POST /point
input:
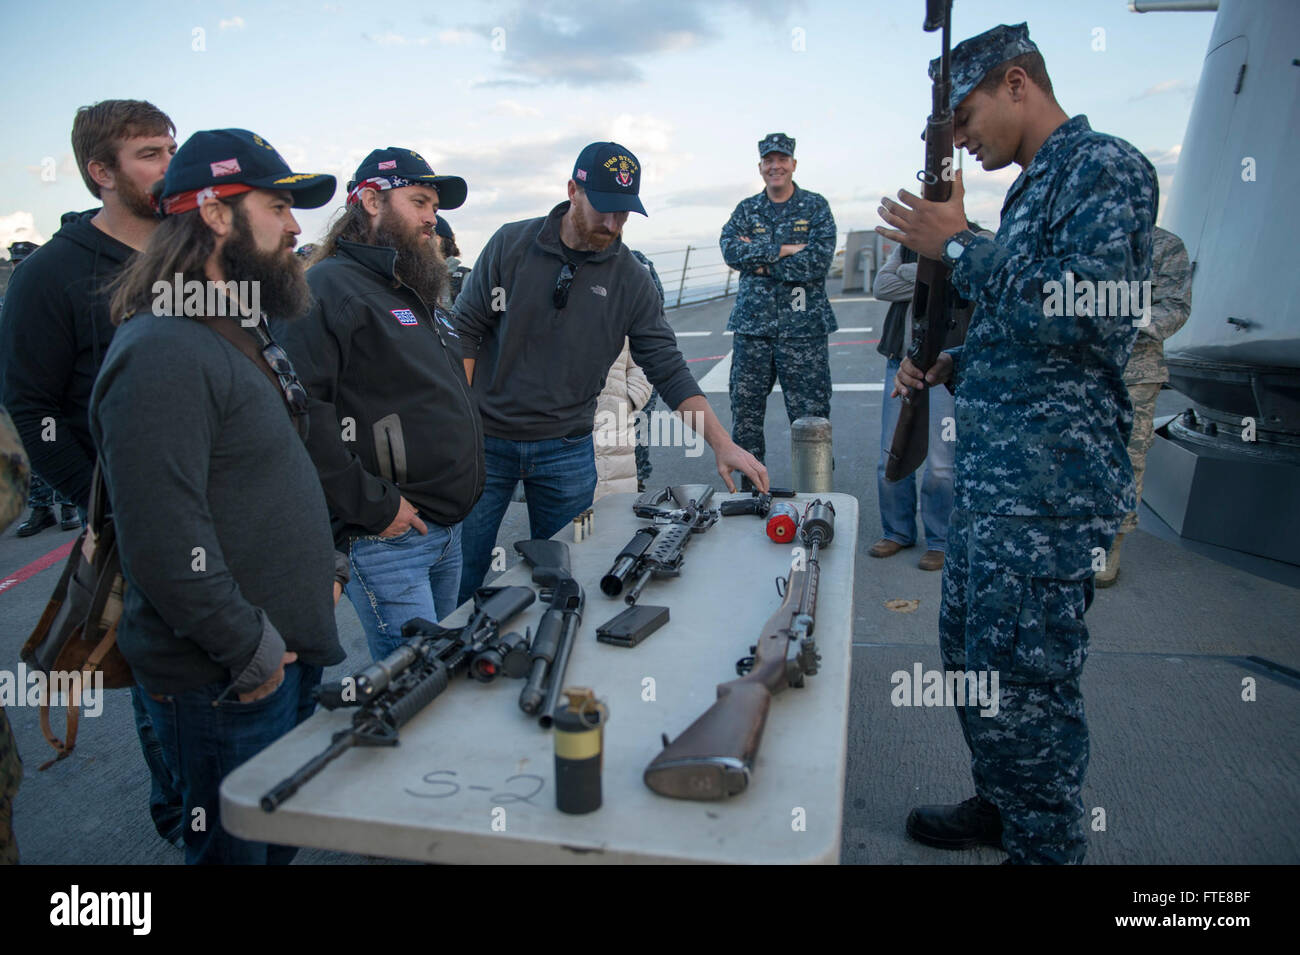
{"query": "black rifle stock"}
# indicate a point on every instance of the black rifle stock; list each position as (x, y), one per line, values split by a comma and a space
(930, 312)
(713, 758)
(392, 690)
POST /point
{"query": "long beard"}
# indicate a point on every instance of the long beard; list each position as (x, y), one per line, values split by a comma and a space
(419, 262)
(282, 284)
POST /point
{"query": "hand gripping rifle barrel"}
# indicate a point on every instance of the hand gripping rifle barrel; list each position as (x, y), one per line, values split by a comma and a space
(392, 690)
(714, 757)
(930, 311)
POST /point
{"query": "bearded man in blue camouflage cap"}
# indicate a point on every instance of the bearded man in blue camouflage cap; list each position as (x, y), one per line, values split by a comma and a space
(1042, 475)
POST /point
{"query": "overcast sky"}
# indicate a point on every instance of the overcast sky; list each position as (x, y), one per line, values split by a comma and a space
(506, 94)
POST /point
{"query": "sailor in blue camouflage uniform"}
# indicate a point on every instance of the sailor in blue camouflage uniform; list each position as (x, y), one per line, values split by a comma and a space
(642, 448)
(782, 242)
(1042, 475)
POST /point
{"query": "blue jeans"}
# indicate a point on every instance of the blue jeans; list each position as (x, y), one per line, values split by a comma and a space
(559, 476)
(898, 498)
(204, 738)
(164, 788)
(397, 578)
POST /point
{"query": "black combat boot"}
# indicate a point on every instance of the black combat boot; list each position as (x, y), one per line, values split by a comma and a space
(71, 519)
(42, 517)
(975, 822)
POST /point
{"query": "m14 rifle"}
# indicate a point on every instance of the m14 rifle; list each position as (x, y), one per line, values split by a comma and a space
(930, 312)
(657, 551)
(392, 690)
(714, 757)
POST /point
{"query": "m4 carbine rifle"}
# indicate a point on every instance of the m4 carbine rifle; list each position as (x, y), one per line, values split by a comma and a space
(930, 312)
(657, 551)
(392, 690)
(713, 758)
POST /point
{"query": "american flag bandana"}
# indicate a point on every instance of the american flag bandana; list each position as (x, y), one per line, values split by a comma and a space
(379, 183)
(193, 198)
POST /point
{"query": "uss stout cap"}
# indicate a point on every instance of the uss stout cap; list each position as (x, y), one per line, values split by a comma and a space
(611, 176)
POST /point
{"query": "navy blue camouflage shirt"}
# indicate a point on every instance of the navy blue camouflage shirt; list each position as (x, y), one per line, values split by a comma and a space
(788, 299)
(1043, 416)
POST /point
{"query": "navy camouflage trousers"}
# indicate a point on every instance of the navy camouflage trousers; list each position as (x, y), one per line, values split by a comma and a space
(1015, 590)
(802, 365)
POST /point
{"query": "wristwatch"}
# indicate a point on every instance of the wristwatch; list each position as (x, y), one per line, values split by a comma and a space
(956, 245)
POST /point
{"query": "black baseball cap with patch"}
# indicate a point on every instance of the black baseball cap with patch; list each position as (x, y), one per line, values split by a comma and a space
(395, 163)
(611, 176)
(217, 162)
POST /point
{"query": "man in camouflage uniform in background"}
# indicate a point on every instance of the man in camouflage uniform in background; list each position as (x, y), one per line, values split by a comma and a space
(781, 241)
(1171, 303)
(641, 449)
(1042, 475)
(13, 491)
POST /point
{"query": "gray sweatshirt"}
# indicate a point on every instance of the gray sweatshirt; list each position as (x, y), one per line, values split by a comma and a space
(540, 369)
(222, 525)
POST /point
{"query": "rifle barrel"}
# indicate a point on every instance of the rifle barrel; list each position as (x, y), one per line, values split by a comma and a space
(287, 787)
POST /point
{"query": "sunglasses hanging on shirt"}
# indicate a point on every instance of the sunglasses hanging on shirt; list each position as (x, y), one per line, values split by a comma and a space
(560, 297)
(267, 355)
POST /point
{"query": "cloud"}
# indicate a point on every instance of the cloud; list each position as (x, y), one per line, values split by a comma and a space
(65, 167)
(1165, 160)
(17, 227)
(234, 23)
(396, 39)
(1167, 86)
(509, 107)
(578, 44)
(711, 197)
(456, 37)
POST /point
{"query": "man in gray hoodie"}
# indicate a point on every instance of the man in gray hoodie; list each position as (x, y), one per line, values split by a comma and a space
(542, 317)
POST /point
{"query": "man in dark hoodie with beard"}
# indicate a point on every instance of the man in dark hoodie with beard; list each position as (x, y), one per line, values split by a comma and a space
(55, 328)
(223, 531)
(395, 433)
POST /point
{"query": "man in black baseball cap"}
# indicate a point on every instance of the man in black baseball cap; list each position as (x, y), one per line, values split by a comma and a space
(377, 351)
(217, 163)
(393, 167)
(221, 524)
(545, 313)
(611, 178)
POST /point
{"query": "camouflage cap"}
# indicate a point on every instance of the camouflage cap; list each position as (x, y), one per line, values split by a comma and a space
(775, 143)
(972, 58)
